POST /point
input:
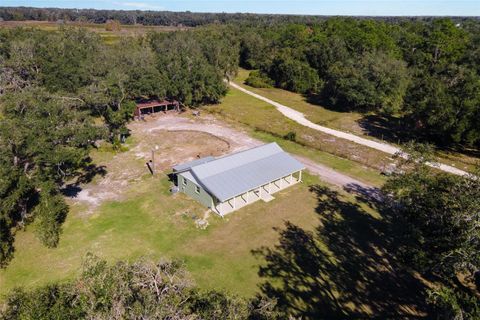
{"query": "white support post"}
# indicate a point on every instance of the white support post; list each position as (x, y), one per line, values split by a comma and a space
(300, 176)
(234, 204)
(291, 179)
(275, 184)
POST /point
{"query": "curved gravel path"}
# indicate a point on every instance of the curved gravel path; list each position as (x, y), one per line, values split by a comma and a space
(300, 118)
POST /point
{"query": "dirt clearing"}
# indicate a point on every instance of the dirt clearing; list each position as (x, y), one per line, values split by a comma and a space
(176, 139)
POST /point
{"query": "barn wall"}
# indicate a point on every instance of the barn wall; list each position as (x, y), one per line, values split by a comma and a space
(203, 197)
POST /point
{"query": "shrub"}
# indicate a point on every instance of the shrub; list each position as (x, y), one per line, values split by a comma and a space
(258, 79)
(291, 136)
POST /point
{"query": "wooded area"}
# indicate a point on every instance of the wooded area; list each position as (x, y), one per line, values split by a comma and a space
(54, 85)
(424, 75)
(168, 18)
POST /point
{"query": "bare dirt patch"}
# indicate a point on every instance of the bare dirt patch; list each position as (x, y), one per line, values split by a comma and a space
(238, 140)
(178, 140)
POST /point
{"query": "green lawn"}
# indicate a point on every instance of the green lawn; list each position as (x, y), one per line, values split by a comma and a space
(266, 123)
(155, 224)
(150, 222)
(346, 121)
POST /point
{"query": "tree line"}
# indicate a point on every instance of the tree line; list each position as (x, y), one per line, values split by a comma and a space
(54, 88)
(139, 290)
(169, 18)
(425, 73)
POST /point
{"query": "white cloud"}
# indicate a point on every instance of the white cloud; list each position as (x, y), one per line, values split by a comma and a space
(140, 5)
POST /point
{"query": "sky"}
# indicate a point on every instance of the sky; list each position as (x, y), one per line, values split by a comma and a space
(314, 7)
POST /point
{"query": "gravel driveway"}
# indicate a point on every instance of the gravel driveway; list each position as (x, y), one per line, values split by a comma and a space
(300, 118)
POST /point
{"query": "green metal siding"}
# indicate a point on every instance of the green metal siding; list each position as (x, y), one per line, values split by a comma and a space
(189, 189)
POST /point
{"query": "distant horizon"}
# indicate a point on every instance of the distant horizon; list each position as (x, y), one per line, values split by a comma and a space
(367, 8)
(257, 13)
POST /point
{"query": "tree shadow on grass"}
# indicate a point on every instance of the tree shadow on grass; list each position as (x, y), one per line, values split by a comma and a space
(86, 176)
(344, 268)
(326, 103)
(390, 129)
(395, 130)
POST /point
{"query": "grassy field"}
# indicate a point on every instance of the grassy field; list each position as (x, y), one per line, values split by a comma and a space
(350, 121)
(345, 121)
(108, 37)
(151, 222)
(347, 262)
(266, 122)
(348, 234)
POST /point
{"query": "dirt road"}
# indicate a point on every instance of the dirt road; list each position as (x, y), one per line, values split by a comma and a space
(300, 118)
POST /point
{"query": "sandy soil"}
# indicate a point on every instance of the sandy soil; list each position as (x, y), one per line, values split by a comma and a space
(381, 146)
(178, 139)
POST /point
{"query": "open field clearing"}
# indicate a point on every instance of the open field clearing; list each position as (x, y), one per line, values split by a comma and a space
(181, 139)
(346, 121)
(125, 213)
(108, 37)
(369, 125)
(355, 160)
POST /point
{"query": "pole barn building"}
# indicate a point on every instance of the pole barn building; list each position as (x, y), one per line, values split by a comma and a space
(154, 106)
(229, 183)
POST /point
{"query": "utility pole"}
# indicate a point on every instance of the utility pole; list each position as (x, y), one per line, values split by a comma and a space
(153, 160)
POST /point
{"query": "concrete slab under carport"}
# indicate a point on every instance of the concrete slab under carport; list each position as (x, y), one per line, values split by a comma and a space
(261, 193)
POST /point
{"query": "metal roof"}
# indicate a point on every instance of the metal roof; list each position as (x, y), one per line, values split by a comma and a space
(155, 103)
(240, 172)
(188, 165)
(189, 176)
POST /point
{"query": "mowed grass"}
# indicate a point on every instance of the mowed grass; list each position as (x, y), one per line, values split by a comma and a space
(349, 121)
(108, 37)
(266, 123)
(345, 121)
(154, 224)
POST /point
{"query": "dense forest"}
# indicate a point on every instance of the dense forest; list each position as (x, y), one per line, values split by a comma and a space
(62, 91)
(168, 18)
(422, 73)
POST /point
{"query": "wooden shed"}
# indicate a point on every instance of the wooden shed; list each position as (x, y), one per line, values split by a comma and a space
(154, 106)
